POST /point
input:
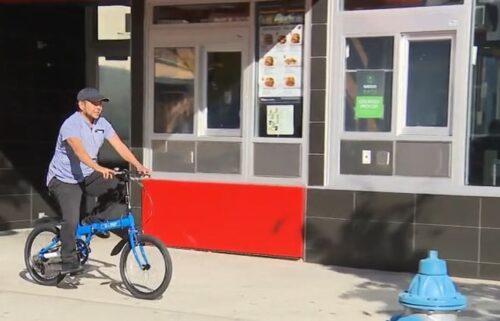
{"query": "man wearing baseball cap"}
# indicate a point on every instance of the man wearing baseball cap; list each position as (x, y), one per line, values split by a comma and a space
(74, 172)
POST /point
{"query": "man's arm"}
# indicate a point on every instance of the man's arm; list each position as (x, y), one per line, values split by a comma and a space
(80, 152)
(126, 154)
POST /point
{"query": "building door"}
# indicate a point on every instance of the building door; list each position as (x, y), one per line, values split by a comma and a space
(42, 58)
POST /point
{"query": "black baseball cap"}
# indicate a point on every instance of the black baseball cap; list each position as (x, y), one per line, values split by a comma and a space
(91, 94)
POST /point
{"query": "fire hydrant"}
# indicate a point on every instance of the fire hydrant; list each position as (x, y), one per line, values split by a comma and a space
(432, 296)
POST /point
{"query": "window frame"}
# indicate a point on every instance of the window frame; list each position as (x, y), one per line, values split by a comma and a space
(151, 117)
(456, 20)
(248, 123)
(402, 127)
(203, 129)
(201, 46)
(343, 3)
(194, 3)
(350, 134)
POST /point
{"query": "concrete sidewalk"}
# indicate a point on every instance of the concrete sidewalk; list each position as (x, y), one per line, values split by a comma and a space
(214, 287)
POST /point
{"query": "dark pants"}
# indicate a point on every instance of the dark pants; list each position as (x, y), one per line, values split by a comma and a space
(94, 196)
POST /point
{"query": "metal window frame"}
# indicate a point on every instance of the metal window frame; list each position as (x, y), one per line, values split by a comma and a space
(424, 20)
(404, 52)
(353, 134)
(203, 129)
(248, 135)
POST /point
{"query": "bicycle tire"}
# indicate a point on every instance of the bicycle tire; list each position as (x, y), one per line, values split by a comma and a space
(38, 270)
(139, 290)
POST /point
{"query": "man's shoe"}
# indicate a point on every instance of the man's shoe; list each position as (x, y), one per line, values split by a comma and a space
(71, 268)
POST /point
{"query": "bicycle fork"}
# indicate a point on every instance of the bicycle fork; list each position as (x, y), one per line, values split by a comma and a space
(139, 256)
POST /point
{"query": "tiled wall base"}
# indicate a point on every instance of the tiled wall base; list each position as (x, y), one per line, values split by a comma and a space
(393, 231)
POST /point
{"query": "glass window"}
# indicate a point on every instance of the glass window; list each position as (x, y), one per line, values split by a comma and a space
(484, 135)
(201, 13)
(223, 90)
(113, 22)
(368, 84)
(385, 4)
(114, 81)
(174, 72)
(428, 85)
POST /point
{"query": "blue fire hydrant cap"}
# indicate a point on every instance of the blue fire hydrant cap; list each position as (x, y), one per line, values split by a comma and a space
(432, 289)
(432, 265)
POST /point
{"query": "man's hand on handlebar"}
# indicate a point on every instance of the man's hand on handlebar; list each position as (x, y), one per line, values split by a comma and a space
(106, 172)
(144, 171)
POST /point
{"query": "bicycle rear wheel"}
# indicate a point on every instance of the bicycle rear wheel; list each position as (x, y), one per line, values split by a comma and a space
(150, 277)
(41, 254)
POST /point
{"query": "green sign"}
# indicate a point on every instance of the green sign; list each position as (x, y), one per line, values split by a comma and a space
(369, 101)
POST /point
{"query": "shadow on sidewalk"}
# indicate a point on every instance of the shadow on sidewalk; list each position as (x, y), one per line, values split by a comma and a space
(380, 286)
(7, 233)
(5, 228)
(92, 270)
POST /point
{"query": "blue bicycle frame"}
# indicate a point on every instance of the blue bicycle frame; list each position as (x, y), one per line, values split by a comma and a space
(85, 232)
(124, 222)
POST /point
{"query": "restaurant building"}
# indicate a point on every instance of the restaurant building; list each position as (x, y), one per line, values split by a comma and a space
(357, 133)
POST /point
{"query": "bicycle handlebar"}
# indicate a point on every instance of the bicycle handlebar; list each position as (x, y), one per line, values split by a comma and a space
(125, 174)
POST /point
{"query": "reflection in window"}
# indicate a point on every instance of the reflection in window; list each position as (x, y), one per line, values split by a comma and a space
(114, 81)
(223, 89)
(386, 4)
(174, 90)
(368, 84)
(428, 83)
(201, 13)
(484, 134)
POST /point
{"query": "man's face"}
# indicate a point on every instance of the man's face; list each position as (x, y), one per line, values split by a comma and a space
(91, 109)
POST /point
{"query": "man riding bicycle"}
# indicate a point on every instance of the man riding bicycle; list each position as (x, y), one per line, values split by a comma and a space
(74, 176)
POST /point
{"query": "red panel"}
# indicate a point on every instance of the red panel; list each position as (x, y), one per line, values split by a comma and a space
(252, 219)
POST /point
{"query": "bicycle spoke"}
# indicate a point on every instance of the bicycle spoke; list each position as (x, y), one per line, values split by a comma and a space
(149, 279)
(42, 256)
(146, 269)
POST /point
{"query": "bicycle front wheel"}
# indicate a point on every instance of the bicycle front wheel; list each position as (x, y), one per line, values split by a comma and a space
(146, 269)
(41, 255)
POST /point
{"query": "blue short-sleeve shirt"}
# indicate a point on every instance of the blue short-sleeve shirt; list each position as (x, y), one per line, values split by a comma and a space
(65, 165)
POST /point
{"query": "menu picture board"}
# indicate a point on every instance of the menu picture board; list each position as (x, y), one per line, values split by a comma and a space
(279, 51)
(280, 63)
